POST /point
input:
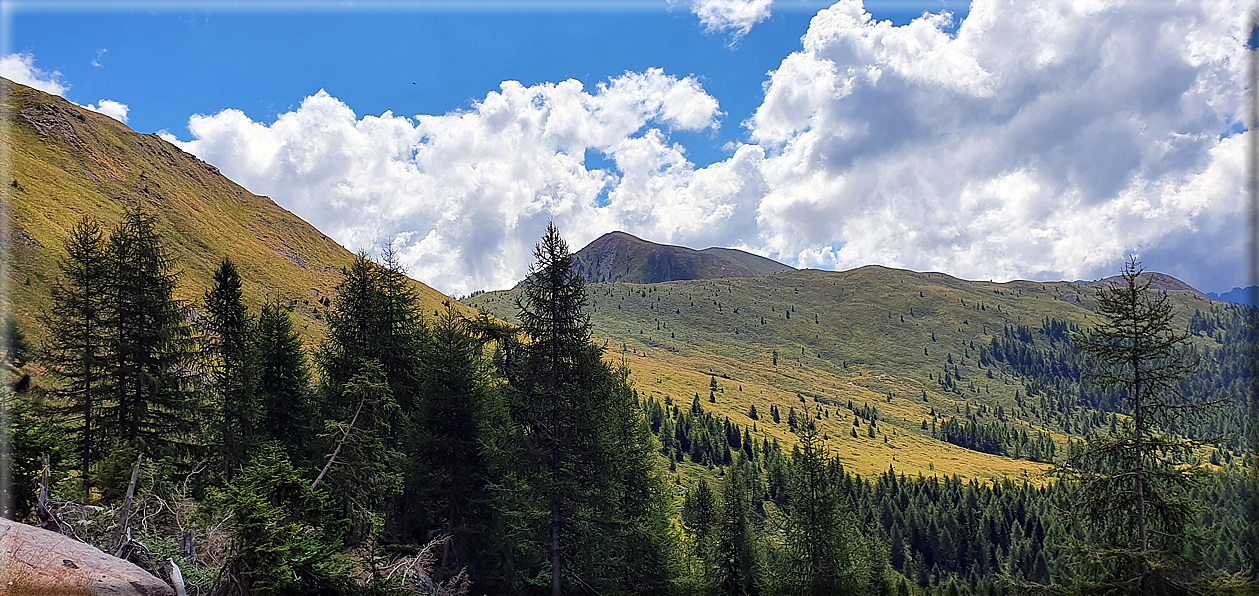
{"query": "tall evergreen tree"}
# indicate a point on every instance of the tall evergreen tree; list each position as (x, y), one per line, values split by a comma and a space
(556, 411)
(13, 343)
(375, 317)
(459, 406)
(283, 380)
(734, 570)
(361, 473)
(627, 523)
(823, 552)
(228, 345)
(151, 345)
(1134, 484)
(78, 348)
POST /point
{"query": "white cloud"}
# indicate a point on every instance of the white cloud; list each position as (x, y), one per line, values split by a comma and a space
(465, 195)
(736, 16)
(114, 109)
(1041, 139)
(20, 68)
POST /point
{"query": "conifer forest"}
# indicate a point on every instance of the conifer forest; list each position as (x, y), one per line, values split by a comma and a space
(421, 450)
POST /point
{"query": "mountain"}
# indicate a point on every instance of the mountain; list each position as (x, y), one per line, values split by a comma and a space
(1158, 281)
(874, 336)
(1236, 296)
(621, 258)
(66, 162)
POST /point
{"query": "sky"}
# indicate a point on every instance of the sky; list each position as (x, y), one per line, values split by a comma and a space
(990, 140)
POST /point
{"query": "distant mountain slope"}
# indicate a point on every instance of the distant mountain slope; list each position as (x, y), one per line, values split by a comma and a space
(875, 336)
(1236, 296)
(620, 257)
(1158, 281)
(66, 162)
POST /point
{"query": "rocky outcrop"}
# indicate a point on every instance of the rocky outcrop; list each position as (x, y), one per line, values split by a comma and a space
(36, 561)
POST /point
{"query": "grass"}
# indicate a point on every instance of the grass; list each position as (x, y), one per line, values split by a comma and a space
(66, 162)
(873, 336)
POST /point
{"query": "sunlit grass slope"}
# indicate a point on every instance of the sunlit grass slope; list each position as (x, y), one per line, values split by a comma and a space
(873, 336)
(65, 162)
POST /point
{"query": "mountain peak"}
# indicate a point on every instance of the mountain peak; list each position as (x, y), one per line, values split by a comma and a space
(622, 257)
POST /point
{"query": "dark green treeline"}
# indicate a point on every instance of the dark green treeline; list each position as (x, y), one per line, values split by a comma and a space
(526, 456)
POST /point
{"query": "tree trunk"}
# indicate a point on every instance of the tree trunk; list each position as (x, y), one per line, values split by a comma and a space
(120, 538)
(337, 451)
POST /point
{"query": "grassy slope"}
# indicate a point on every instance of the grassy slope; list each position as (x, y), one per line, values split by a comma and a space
(69, 162)
(845, 340)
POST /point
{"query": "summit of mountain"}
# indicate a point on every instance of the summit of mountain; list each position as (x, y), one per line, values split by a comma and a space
(618, 257)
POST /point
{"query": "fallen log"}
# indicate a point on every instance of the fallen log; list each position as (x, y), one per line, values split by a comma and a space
(36, 561)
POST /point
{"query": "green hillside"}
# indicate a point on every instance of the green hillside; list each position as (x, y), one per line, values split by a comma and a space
(65, 162)
(621, 257)
(873, 336)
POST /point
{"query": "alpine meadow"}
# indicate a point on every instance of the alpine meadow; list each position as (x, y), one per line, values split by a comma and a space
(205, 395)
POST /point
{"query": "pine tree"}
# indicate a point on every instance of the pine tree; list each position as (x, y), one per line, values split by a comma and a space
(228, 345)
(78, 347)
(1134, 484)
(151, 346)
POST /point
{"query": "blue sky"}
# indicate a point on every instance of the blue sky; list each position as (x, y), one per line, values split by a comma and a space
(167, 64)
(1043, 139)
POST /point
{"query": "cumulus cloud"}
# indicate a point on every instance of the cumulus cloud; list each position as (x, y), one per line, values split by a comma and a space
(463, 196)
(114, 109)
(735, 16)
(20, 68)
(1042, 139)
(1046, 139)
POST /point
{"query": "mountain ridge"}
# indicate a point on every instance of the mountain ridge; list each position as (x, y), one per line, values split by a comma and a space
(620, 257)
(870, 336)
(67, 162)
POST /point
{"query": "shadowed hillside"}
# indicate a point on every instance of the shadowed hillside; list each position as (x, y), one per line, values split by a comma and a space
(620, 257)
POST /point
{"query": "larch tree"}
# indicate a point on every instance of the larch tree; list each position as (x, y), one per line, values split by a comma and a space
(1134, 501)
(76, 351)
(552, 405)
(151, 345)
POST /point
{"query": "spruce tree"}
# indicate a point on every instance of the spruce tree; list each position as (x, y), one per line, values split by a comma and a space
(283, 380)
(13, 343)
(228, 346)
(361, 473)
(374, 317)
(733, 572)
(823, 552)
(77, 349)
(460, 406)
